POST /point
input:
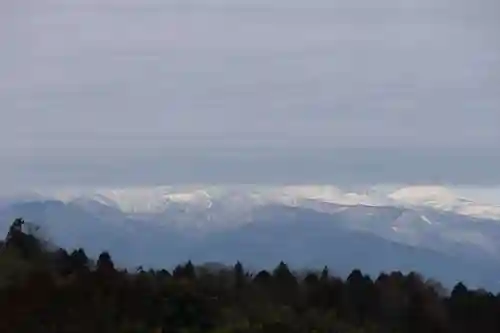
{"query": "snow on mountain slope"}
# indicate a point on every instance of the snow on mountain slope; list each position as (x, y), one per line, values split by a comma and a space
(156, 199)
(442, 198)
(435, 196)
(135, 199)
(482, 211)
(423, 217)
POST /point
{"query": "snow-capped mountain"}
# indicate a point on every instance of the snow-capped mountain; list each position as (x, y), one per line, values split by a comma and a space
(442, 198)
(431, 229)
(426, 216)
(157, 199)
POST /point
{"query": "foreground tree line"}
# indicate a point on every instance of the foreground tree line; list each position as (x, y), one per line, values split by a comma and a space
(45, 289)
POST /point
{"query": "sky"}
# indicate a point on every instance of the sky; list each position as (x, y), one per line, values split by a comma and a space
(339, 91)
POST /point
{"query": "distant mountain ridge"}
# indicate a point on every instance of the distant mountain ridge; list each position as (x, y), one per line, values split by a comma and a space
(306, 226)
(157, 198)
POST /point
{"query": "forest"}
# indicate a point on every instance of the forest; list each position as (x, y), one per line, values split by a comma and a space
(46, 289)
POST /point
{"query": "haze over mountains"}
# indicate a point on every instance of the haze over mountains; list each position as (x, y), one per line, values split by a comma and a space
(120, 92)
(429, 229)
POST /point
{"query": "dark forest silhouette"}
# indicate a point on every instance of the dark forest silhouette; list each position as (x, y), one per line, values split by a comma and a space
(47, 289)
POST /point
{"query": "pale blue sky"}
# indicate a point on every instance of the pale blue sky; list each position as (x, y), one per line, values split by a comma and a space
(239, 90)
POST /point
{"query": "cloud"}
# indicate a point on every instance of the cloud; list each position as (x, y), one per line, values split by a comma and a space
(134, 78)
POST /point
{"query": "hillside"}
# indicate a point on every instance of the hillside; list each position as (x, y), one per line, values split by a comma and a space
(45, 289)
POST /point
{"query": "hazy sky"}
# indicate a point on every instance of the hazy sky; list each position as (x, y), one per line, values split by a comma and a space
(155, 91)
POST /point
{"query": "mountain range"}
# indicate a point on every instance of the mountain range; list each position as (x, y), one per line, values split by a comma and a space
(428, 229)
